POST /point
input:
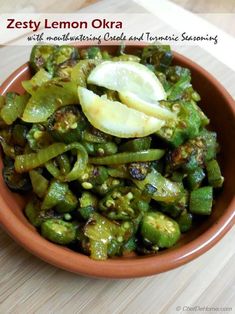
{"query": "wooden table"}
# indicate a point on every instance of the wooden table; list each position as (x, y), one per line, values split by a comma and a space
(28, 285)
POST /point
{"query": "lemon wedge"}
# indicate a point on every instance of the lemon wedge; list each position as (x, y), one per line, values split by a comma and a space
(149, 107)
(127, 76)
(114, 118)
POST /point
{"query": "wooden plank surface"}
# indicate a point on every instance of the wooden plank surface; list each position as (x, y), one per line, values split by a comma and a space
(28, 285)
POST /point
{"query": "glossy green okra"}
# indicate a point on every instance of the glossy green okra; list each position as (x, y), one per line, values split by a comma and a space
(16, 182)
(201, 201)
(39, 183)
(60, 197)
(159, 229)
(185, 221)
(128, 157)
(58, 231)
(158, 55)
(67, 124)
(38, 137)
(214, 175)
(195, 178)
(93, 176)
(100, 149)
(88, 203)
(108, 185)
(187, 126)
(136, 145)
(123, 203)
(193, 153)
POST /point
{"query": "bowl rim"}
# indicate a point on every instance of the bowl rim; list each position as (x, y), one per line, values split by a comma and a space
(122, 267)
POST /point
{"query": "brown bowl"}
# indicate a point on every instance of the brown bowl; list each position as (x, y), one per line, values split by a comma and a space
(220, 108)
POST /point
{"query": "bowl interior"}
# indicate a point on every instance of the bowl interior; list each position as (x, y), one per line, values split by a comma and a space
(215, 103)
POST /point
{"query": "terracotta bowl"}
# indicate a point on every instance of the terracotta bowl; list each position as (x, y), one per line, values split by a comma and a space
(220, 108)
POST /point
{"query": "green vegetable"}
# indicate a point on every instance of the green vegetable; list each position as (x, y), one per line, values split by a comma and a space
(200, 202)
(66, 124)
(158, 55)
(58, 231)
(136, 145)
(24, 163)
(19, 132)
(38, 137)
(40, 55)
(14, 107)
(195, 178)
(100, 232)
(123, 203)
(121, 158)
(39, 183)
(48, 98)
(58, 195)
(88, 203)
(185, 221)
(215, 178)
(40, 77)
(33, 212)
(15, 181)
(187, 125)
(138, 170)
(81, 71)
(164, 190)
(160, 230)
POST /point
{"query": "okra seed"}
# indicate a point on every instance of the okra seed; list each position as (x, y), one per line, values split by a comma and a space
(74, 125)
(67, 216)
(120, 239)
(87, 185)
(130, 196)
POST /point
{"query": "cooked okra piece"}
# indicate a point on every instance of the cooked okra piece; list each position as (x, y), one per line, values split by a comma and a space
(136, 145)
(138, 170)
(195, 178)
(60, 197)
(215, 178)
(88, 203)
(58, 231)
(185, 221)
(66, 124)
(201, 200)
(163, 190)
(123, 203)
(93, 176)
(33, 212)
(160, 230)
(15, 181)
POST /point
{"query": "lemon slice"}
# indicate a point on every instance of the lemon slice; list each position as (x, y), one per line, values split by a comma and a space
(127, 76)
(114, 118)
(149, 107)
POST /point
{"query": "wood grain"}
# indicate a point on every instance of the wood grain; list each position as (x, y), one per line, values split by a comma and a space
(28, 285)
